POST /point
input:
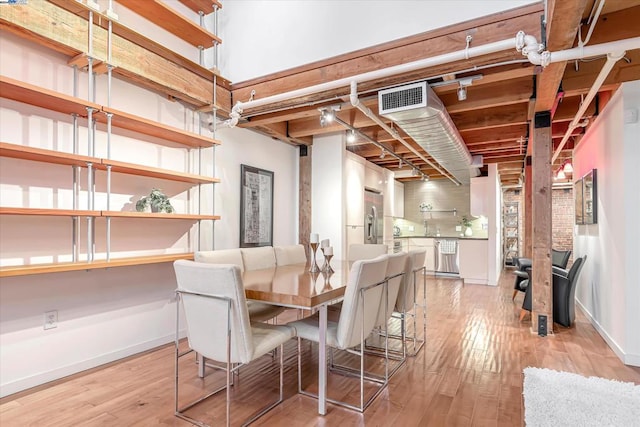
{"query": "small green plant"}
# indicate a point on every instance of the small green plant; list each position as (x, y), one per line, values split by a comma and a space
(424, 207)
(157, 201)
(465, 221)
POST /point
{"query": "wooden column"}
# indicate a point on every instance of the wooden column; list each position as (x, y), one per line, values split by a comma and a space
(528, 212)
(304, 197)
(542, 295)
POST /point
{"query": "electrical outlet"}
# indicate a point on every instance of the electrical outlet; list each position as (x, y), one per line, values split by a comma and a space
(51, 319)
(458, 228)
(412, 228)
(542, 325)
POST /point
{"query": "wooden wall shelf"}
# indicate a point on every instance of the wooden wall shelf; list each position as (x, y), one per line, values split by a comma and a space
(48, 212)
(135, 123)
(204, 6)
(172, 21)
(152, 215)
(44, 98)
(51, 100)
(26, 270)
(56, 157)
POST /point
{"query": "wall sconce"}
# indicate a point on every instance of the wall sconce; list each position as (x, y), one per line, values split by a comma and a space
(568, 167)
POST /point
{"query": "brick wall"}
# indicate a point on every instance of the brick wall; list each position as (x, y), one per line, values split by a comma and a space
(562, 212)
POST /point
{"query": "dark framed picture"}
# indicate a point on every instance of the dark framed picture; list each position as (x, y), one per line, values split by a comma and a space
(256, 207)
(579, 204)
(590, 197)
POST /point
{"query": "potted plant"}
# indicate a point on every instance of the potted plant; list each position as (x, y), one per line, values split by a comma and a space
(466, 222)
(157, 201)
(425, 207)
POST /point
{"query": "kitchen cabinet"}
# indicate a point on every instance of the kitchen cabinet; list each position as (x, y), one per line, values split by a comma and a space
(474, 260)
(478, 196)
(354, 173)
(429, 245)
(398, 199)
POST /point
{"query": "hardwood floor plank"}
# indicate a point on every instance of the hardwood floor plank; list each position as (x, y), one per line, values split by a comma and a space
(469, 373)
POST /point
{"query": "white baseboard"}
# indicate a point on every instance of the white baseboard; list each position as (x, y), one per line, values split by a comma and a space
(627, 359)
(45, 377)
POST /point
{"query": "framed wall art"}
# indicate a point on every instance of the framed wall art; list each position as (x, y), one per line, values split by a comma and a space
(590, 197)
(256, 207)
(579, 204)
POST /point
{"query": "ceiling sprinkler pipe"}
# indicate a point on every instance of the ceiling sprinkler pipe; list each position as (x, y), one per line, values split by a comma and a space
(378, 74)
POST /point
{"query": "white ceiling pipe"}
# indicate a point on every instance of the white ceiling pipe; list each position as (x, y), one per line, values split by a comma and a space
(353, 97)
(546, 58)
(518, 41)
(612, 58)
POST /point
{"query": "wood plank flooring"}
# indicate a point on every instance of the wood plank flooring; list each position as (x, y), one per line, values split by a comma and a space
(468, 374)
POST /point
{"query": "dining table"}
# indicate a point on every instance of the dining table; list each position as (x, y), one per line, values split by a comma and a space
(295, 286)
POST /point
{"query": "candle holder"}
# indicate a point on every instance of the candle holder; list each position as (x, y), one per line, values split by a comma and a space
(327, 264)
(314, 266)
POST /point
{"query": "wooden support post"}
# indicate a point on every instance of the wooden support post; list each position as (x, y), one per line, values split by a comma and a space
(528, 213)
(542, 293)
(304, 196)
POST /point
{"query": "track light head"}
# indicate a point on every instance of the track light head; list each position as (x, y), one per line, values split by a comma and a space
(351, 136)
(382, 154)
(462, 93)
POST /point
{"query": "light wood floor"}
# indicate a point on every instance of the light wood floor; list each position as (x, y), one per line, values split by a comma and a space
(468, 374)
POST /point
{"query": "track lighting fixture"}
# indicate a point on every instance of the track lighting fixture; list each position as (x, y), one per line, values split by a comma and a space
(382, 154)
(462, 89)
(327, 115)
(425, 177)
(462, 93)
(400, 164)
(351, 136)
(415, 172)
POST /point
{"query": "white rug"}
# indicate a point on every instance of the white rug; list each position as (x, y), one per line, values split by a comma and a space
(553, 398)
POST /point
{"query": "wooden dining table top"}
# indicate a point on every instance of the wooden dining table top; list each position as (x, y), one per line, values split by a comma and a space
(294, 286)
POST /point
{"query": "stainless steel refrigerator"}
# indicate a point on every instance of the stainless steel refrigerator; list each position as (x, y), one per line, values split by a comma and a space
(373, 211)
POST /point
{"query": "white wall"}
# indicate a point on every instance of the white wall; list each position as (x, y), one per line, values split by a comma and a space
(261, 37)
(327, 184)
(608, 287)
(104, 315)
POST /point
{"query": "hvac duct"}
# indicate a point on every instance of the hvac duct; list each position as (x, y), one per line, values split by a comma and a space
(417, 110)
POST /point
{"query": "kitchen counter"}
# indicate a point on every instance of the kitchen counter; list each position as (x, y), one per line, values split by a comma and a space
(421, 236)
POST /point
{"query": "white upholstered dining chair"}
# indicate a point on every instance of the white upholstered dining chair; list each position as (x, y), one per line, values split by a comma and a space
(218, 327)
(407, 303)
(359, 251)
(258, 258)
(258, 311)
(358, 316)
(292, 254)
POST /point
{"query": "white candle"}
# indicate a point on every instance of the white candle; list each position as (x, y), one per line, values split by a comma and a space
(324, 243)
(328, 250)
(313, 238)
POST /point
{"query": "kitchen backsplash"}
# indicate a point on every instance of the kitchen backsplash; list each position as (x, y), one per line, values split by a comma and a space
(442, 195)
